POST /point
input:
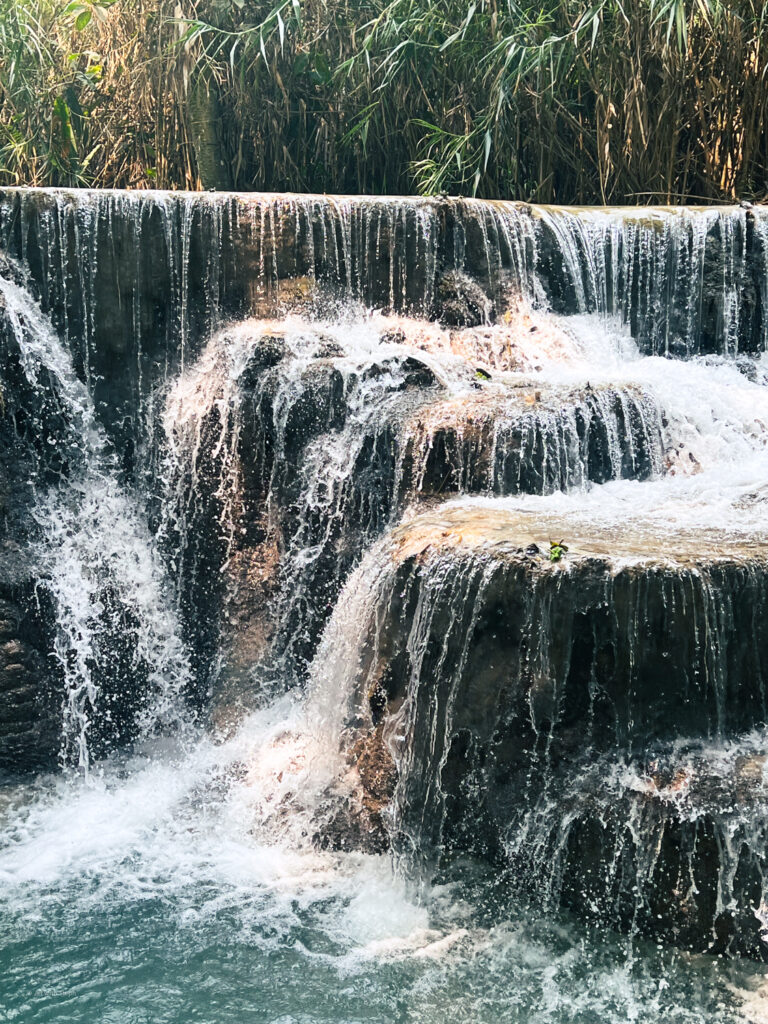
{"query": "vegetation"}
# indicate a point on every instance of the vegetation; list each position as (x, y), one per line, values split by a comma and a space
(549, 100)
(557, 549)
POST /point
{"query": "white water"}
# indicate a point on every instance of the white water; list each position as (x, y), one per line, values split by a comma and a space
(94, 546)
(715, 438)
(710, 495)
(177, 861)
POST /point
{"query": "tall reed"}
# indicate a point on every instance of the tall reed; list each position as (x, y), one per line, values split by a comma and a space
(548, 100)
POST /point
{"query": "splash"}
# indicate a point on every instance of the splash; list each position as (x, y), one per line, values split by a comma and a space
(115, 635)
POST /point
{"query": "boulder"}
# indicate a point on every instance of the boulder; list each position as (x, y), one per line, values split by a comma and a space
(497, 675)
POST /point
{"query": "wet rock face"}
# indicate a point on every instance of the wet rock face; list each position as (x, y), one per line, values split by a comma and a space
(34, 452)
(44, 437)
(38, 445)
(710, 270)
(29, 713)
(184, 264)
(510, 690)
(461, 302)
(671, 846)
(289, 470)
(304, 452)
(587, 654)
(532, 441)
(30, 695)
(357, 821)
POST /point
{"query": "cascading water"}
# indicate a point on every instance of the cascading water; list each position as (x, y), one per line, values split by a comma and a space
(430, 764)
(115, 633)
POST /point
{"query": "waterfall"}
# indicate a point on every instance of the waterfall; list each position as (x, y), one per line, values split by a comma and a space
(390, 571)
(290, 447)
(676, 276)
(137, 282)
(115, 631)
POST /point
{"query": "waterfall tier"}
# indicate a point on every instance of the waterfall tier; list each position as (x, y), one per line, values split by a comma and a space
(291, 447)
(508, 698)
(137, 281)
(479, 488)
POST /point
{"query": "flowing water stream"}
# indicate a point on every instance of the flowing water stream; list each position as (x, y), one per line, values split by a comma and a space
(340, 499)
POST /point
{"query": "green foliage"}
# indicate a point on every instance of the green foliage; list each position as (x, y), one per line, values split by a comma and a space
(83, 11)
(557, 549)
(549, 100)
(24, 46)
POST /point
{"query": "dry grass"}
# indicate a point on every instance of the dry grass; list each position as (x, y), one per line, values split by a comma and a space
(657, 100)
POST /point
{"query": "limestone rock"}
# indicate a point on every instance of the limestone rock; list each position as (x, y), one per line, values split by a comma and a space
(510, 689)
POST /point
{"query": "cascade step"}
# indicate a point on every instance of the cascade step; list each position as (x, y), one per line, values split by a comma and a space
(293, 446)
(684, 280)
(532, 439)
(482, 668)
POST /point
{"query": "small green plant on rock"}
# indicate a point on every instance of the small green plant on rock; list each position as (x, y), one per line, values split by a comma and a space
(556, 550)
